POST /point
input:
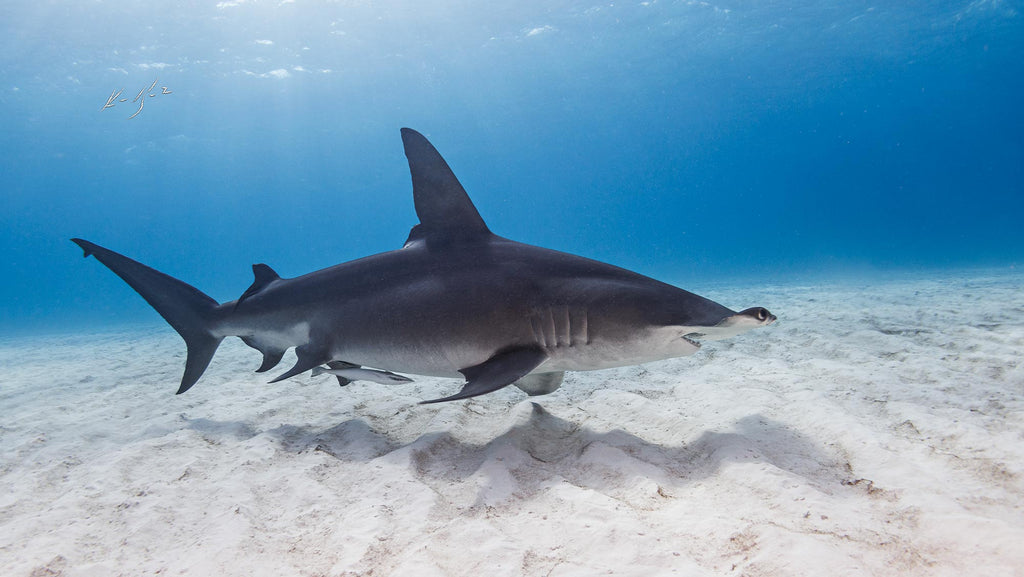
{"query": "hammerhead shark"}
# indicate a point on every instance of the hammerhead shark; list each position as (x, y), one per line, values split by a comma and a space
(455, 301)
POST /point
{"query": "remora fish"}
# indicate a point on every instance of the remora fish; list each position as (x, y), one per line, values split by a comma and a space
(455, 301)
(348, 374)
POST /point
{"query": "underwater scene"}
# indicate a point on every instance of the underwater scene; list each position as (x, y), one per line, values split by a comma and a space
(689, 288)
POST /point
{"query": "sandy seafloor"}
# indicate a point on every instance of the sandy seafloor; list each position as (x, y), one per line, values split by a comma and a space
(876, 429)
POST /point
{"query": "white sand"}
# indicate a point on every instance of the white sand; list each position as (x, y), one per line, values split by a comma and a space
(876, 429)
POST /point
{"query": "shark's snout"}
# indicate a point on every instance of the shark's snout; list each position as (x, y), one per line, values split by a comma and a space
(760, 314)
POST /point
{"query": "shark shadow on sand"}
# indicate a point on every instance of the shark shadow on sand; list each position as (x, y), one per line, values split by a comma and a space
(539, 449)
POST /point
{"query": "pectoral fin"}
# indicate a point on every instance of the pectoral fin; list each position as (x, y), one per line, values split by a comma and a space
(496, 372)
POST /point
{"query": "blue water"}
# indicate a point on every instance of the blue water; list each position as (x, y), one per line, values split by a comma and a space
(690, 141)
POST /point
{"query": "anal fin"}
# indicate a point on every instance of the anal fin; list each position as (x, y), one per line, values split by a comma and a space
(499, 371)
(271, 356)
(270, 360)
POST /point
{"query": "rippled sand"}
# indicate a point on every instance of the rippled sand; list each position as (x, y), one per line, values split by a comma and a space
(877, 428)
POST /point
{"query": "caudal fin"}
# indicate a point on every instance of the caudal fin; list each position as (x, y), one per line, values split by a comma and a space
(183, 306)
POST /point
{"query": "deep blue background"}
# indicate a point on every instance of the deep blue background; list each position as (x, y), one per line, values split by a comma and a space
(757, 141)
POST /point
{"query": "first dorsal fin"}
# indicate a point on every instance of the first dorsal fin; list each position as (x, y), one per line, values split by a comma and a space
(445, 211)
(264, 277)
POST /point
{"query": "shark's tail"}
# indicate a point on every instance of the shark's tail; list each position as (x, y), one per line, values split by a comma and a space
(184, 307)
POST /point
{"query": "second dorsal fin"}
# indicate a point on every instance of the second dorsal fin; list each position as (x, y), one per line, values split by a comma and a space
(265, 276)
(445, 211)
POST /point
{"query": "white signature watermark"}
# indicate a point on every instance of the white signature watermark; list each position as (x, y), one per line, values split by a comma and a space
(115, 97)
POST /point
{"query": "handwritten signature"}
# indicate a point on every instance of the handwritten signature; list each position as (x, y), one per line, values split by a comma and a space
(112, 100)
